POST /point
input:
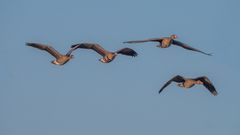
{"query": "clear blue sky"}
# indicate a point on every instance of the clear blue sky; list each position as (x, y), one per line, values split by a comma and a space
(86, 97)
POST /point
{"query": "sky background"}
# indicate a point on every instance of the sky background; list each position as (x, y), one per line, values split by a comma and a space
(86, 97)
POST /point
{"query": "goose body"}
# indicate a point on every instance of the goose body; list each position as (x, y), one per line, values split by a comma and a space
(60, 58)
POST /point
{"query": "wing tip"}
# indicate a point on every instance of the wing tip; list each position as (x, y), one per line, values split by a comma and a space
(72, 46)
(131, 42)
(209, 54)
(128, 42)
(135, 54)
(159, 91)
(30, 44)
(215, 93)
(127, 51)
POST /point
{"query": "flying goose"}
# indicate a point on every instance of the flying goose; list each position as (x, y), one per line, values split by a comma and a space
(165, 42)
(60, 58)
(190, 82)
(107, 56)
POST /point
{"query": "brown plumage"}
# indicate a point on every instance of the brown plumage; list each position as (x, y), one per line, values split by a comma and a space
(60, 58)
(166, 42)
(107, 56)
(190, 82)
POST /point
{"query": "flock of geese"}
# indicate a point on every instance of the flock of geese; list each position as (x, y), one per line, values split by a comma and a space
(108, 56)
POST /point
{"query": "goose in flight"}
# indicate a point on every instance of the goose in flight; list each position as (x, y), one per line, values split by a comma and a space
(190, 82)
(60, 58)
(166, 42)
(106, 55)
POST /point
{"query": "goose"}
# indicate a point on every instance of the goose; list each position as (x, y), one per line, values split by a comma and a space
(60, 58)
(107, 56)
(190, 82)
(166, 42)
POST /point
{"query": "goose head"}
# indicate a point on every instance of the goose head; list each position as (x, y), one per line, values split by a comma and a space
(173, 36)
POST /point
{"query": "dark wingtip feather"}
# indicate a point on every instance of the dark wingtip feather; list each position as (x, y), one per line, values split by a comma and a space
(72, 46)
(159, 91)
(29, 44)
(128, 51)
(209, 54)
(128, 42)
(134, 54)
(215, 93)
(35, 45)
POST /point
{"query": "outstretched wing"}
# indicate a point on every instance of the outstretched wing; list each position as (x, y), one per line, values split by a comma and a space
(176, 78)
(208, 84)
(185, 46)
(47, 48)
(96, 47)
(145, 40)
(127, 51)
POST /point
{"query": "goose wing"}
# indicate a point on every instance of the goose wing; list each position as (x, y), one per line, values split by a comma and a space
(96, 47)
(127, 51)
(185, 46)
(208, 84)
(47, 48)
(176, 78)
(145, 40)
(71, 50)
